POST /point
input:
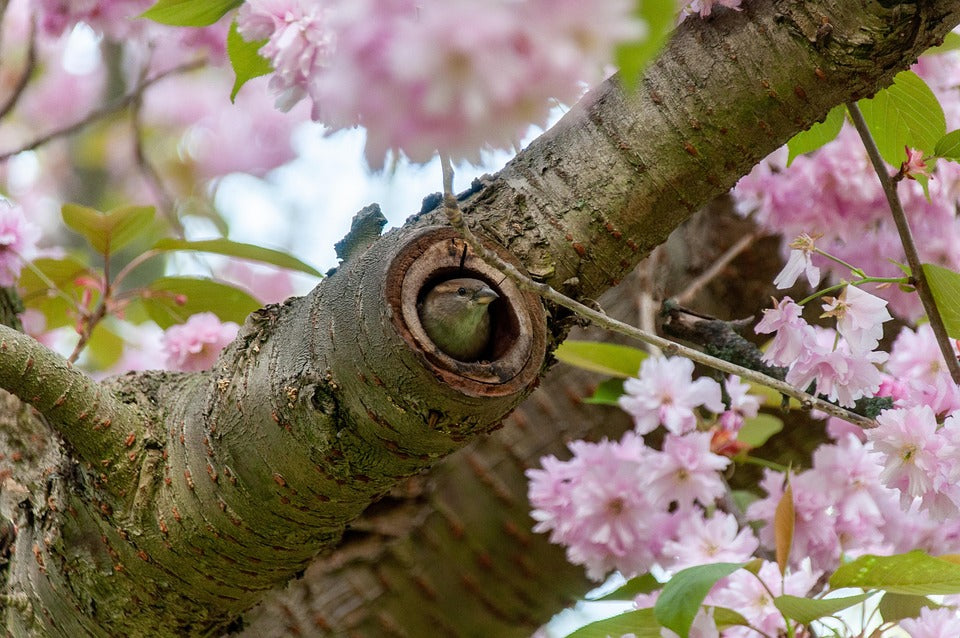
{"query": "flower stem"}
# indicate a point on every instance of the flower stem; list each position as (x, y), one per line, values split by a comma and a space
(906, 238)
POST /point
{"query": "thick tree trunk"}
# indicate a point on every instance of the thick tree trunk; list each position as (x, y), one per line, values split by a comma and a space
(185, 497)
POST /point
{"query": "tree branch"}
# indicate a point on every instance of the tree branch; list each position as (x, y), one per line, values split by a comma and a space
(103, 431)
(106, 111)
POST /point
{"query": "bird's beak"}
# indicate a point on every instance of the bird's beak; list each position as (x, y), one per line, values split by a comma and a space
(485, 295)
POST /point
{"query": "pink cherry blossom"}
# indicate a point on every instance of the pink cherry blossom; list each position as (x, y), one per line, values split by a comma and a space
(196, 344)
(700, 540)
(859, 316)
(686, 471)
(453, 75)
(800, 261)
(914, 165)
(115, 17)
(745, 593)
(18, 241)
(917, 461)
(703, 626)
(792, 332)
(666, 393)
(597, 506)
(943, 622)
(705, 7)
(267, 284)
(837, 373)
(742, 405)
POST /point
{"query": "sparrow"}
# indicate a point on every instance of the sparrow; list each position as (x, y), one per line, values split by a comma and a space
(456, 316)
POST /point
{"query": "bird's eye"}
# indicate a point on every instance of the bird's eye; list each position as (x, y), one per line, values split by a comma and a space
(461, 291)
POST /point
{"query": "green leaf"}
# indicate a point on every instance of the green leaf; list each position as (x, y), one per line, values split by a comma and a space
(724, 617)
(684, 593)
(639, 622)
(198, 295)
(631, 57)
(36, 294)
(104, 347)
(905, 114)
(110, 231)
(945, 287)
(607, 358)
(756, 430)
(948, 146)
(245, 59)
(916, 573)
(743, 498)
(924, 181)
(894, 607)
(951, 42)
(189, 13)
(606, 393)
(637, 585)
(817, 135)
(806, 610)
(237, 249)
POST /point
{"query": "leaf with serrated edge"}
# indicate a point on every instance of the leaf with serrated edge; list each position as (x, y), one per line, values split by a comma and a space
(915, 573)
(907, 113)
(894, 607)
(817, 135)
(806, 610)
(189, 13)
(110, 231)
(639, 622)
(683, 594)
(948, 146)
(199, 295)
(245, 59)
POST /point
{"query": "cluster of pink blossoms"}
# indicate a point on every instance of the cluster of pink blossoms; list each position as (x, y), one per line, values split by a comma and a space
(625, 506)
(196, 344)
(841, 364)
(18, 241)
(113, 16)
(616, 504)
(834, 193)
(449, 75)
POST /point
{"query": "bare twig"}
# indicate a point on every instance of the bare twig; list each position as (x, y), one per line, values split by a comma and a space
(149, 171)
(715, 269)
(103, 112)
(906, 238)
(452, 210)
(28, 67)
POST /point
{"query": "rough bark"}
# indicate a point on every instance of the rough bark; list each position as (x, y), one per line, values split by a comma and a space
(464, 530)
(234, 480)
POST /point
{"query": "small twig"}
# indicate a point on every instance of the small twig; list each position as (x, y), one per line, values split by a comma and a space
(28, 67)
(149, 171)
(714, 270)
(452, 210)
(647, 307)
(906, 238)
(103, 112)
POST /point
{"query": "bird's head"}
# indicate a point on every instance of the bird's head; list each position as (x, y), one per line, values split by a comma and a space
(455, 315)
